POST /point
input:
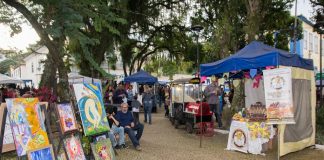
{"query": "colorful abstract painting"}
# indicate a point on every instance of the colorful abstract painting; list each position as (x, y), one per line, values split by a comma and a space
(67, 118)
(92, 111)
(74, 148)
(26, 124)
(61, 156)
(44, 153)
(102, 150)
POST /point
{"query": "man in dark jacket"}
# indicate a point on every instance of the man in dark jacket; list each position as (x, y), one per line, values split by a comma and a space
(126, 120)
(119, 94)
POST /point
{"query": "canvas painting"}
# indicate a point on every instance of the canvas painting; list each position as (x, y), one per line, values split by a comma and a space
(8, 142)
(26, 124)
(61, 156)
(67, 118)
(92, 111)
(101, 137)
(74, 148)
(44, 153)
(102, 150)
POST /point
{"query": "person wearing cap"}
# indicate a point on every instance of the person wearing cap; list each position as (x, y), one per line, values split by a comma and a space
(212, 93)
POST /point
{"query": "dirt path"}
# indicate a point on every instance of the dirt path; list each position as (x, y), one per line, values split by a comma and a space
(161, 141)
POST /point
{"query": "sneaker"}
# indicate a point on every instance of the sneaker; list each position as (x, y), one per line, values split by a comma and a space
(138, 148)
(118, 147)
(124, 146)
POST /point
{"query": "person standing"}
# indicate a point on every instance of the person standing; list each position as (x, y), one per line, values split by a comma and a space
(135, 109)
(130, 97)
(148, 104)
(119, 95)
(212, 93)
(166, 101)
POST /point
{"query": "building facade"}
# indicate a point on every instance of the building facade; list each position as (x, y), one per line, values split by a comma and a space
(32, 68)
(309, 46)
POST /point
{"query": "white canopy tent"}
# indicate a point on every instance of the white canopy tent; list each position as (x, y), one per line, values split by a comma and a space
(4, 79)
(77, 78)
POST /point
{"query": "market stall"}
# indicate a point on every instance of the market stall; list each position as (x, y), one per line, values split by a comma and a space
(296, 119)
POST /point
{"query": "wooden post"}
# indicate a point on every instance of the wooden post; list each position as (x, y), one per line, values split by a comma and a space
(3, 124)
(48, 126)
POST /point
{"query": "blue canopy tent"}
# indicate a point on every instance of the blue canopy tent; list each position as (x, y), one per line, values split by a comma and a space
(257, 55)
(253, 56)
(141, 77)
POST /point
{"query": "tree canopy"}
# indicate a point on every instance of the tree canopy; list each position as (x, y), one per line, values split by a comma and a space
(87, 33)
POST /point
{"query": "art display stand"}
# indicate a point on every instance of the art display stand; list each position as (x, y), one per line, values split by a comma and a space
(3, 124)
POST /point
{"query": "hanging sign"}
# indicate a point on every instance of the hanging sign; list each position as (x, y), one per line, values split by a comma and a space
(194, 81)
(278, 95)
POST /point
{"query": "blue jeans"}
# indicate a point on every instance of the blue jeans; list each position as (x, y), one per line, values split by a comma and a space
(131, 134)
(116, 130)
(147, 113)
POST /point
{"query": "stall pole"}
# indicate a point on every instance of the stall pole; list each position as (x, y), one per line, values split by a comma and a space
(321, 88)
(278, 156)
(197, 29)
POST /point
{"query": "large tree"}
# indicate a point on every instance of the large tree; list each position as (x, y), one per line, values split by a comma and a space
(230, 25)
(153, 27)
(59, 22)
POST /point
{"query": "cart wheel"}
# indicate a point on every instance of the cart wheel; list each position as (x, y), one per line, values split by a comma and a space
(172, 120)
(189, 127)
(176, 123)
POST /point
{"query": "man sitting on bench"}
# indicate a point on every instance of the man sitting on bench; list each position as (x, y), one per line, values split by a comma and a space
(126, 120)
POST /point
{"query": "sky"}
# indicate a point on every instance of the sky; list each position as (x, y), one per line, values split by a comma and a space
(29, 36)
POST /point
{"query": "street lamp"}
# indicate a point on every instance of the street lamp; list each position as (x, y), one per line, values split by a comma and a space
(318, 27)
(197, 29)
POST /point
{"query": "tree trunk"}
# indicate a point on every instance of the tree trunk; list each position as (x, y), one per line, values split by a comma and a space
(54, 56)
(253, 18)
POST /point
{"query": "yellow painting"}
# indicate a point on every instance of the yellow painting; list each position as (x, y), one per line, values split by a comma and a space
(27, 124)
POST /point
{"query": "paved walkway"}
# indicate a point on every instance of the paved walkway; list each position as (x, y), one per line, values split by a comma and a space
(161, 141)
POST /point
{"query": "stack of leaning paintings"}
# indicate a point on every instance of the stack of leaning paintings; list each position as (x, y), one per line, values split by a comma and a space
(29, 132)
(94, 119)
(28, 129)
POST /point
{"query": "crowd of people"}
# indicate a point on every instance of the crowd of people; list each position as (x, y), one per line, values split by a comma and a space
(123, 107)
(15, 91)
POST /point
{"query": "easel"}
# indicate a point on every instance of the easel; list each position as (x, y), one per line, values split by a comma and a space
(3, 124)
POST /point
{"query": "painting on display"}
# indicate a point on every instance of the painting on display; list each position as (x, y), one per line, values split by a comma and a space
(8, 142)
(44, 153)
(26, 124)
(278, 95)
(91, 108)
(238, 137)
(61, 156)
(74, 148)
(102, 150)
(67, 117)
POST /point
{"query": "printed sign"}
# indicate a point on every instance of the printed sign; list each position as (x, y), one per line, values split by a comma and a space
(278, 96)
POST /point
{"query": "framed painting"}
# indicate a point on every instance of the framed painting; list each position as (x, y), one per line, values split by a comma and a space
(92, 110)
(8, 141)
(27, 124)
(102, 150)
(44, 153)
(74, 148)
(61, 156)
(67, 118)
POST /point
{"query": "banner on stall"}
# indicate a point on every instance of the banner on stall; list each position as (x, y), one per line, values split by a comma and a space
(278, 96)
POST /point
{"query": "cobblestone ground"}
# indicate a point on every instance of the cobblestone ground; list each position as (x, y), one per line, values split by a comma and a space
(161, 141)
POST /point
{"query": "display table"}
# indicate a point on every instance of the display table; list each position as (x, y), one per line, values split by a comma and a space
(248, 137)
